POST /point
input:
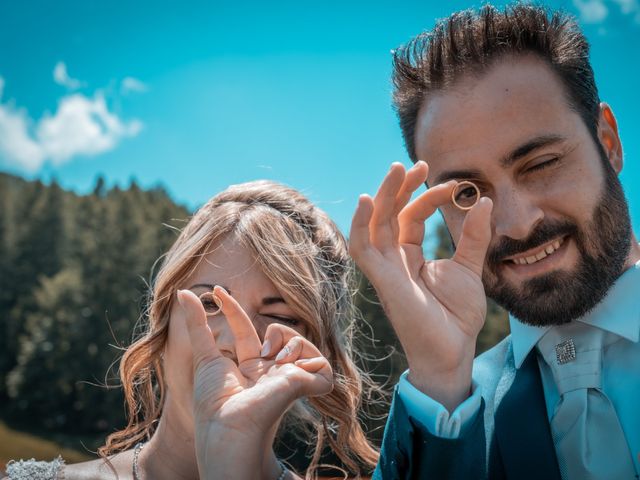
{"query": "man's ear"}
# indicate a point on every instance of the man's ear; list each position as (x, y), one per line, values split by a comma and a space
(609, 138)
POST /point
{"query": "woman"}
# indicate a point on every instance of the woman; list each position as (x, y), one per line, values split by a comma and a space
(251, 318)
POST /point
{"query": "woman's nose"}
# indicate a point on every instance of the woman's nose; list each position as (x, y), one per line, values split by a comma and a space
(223, 335)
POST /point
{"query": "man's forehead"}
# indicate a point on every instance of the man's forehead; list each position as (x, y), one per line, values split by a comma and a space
(483, 117)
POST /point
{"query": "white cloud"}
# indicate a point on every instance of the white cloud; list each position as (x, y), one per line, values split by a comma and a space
(628, 6)
(15, 142)
(130, 84)
(61, 77)
(591, 11)
(81, 125)
(596, 11)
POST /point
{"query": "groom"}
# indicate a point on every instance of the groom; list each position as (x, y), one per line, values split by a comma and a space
(507, 100)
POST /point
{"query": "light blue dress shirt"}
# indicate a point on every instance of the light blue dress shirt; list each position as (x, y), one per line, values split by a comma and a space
(618, 314)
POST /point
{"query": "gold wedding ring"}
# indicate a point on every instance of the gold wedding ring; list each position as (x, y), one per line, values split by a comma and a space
(211, 303)
(465, 195)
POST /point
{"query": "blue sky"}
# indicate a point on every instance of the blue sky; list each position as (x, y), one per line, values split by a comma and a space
(199, 95)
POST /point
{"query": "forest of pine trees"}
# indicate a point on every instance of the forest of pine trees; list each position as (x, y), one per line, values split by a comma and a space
(73, 279)
(74, 276)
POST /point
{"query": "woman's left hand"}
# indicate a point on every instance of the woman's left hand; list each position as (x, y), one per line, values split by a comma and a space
(246, 398)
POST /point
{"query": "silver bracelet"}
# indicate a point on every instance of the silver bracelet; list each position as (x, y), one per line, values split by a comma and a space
(283, 473)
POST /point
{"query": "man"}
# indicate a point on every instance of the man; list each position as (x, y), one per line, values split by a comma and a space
(507, 100)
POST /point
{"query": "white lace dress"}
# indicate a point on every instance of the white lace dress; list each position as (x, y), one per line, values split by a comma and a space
(34, 470)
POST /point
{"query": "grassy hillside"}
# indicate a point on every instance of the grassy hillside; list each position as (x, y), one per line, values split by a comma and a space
(16, 445)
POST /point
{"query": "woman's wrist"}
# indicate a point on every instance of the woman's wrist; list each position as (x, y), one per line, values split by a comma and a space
(228, 453)
(232, 451)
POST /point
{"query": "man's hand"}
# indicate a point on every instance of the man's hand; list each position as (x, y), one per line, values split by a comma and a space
(437, 307)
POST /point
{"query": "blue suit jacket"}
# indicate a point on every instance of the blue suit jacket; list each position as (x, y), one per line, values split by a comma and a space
(509, 438)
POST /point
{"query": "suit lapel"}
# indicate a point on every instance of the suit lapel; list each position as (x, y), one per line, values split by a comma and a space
(522, 429)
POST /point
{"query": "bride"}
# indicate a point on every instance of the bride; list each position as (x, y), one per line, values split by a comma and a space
(250, 320)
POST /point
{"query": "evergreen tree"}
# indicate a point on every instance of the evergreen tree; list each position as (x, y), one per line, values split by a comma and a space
(38, 252)
(52, 353)
(7, 234)
(79, 272)
(99, 188)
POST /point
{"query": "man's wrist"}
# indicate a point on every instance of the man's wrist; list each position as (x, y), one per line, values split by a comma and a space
(449, 389)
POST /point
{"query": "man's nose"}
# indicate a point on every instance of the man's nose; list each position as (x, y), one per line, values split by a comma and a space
(515, 214)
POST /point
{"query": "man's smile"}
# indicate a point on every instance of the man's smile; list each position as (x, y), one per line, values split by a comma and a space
(535, 254)
(553, 255)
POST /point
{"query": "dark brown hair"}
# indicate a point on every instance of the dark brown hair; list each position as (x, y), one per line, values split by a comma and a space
(469, 42)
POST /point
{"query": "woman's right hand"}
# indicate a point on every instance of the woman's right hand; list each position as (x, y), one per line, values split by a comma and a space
(437, 307)
(238, 404)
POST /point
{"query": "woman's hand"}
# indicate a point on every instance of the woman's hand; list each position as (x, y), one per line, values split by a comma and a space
(437, 308)
(238, 404)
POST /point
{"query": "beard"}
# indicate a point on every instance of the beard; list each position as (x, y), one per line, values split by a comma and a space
(562, 296)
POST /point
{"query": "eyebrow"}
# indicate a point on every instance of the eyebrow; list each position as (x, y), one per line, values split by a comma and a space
(266, 301)
(508, 160)
(456, 174)
(208, 286)
(272, 300)
(530, 146)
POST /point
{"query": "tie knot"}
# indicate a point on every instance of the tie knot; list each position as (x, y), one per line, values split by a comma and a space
(574, 353)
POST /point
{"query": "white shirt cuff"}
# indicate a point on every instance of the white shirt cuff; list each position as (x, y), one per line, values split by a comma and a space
(433, 415)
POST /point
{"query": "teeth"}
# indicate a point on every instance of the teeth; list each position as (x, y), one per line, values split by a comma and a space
(548, 250)
(541, 255)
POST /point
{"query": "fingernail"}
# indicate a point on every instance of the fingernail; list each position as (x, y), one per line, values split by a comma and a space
(266, 348)
(365, 197)
(218, 287)
(178, 296)
(218, 300)
(283, 353)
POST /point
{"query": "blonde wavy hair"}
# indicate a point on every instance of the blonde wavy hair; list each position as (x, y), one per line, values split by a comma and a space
(304, 254)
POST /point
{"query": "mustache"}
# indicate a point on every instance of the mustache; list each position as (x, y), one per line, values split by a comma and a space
(543, 233)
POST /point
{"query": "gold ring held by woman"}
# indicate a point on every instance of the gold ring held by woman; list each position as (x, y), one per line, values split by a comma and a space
(211, 303)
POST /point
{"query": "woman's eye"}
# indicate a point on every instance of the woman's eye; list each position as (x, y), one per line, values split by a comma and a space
(211, 306)
(292, 322)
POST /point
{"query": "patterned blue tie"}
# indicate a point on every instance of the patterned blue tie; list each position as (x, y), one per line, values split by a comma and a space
(589, 441)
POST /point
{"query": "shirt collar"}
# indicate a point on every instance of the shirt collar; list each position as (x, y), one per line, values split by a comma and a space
(618, 313)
